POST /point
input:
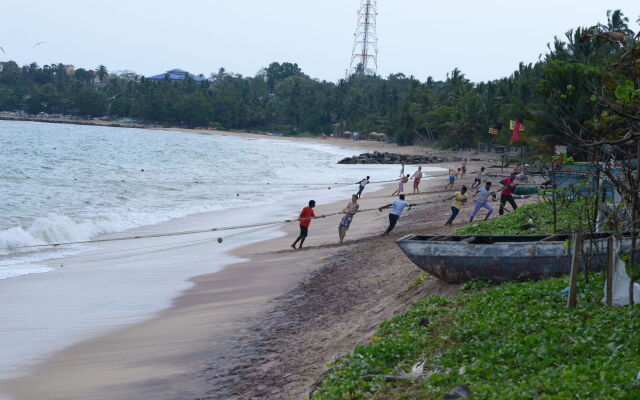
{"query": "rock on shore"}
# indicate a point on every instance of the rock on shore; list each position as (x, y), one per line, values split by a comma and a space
(393, 158)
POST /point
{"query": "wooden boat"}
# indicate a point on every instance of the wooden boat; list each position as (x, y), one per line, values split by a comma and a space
(457, 259)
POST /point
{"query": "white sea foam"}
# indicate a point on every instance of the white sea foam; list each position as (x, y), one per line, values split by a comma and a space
(22, 269)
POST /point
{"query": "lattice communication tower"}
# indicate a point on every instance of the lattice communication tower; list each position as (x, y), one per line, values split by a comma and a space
(364, 57)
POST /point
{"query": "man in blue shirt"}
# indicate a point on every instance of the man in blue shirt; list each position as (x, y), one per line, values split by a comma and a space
(397, 206)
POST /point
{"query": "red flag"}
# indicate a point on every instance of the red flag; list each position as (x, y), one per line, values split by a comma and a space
(516, 131)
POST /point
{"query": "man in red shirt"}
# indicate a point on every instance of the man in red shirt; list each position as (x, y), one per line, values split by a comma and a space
(305, 220)
(508, 186)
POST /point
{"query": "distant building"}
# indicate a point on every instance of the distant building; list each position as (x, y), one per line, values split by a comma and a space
(71, 70)
(176, 75)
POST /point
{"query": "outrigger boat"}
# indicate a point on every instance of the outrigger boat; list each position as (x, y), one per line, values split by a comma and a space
(457, 259)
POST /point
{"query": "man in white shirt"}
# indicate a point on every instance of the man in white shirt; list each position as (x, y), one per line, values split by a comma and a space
(482, 201)
(397, 206)
(362, 184)
(478, 181)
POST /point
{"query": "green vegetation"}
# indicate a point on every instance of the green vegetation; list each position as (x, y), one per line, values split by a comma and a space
(533, 219)
(504, 341)
(514, 341)
(417, 281)
(454, 112)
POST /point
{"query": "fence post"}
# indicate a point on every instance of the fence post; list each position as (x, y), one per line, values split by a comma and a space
(611, 259)
(576, 254)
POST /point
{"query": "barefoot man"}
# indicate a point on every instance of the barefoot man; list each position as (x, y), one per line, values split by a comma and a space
(349, 211)
(394, 214)
(417, 176)
(452, 178)
(305, 220)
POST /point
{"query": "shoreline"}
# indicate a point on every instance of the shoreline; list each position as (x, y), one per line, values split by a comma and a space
(366, 145)
(186, 311)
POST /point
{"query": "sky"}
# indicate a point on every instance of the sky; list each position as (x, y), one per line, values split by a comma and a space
(485, 39)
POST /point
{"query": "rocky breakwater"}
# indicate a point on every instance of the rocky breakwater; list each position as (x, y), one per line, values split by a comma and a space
(392, 158)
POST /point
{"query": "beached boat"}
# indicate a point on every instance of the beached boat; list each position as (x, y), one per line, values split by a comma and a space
(457, 259)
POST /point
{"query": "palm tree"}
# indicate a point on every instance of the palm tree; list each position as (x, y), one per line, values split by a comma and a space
(102, 72)
(616, 21)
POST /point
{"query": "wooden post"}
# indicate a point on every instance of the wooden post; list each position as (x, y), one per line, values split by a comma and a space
(634, 209)
(576, 246)
(554, 191)
(611, 259)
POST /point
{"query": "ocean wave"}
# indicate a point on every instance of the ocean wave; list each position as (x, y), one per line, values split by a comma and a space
(58, 228)
(22, 269)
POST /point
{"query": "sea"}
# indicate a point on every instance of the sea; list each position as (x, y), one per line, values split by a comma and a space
(69, 183)
(63, 183)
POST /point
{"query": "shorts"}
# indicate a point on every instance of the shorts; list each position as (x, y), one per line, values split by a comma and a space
(452, 178)
(345, 222)
(416, 182)
(304, 230)
(454, 213)
(477, 181)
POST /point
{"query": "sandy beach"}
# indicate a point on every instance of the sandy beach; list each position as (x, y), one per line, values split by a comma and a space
(264, 327)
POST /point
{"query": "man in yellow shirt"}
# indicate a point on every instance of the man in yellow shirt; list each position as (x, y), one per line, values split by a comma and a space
(460, 197)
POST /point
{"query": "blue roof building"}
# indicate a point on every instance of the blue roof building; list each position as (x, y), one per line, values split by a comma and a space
(176, 75)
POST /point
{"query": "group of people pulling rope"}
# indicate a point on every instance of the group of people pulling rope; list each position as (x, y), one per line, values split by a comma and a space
(482, 195)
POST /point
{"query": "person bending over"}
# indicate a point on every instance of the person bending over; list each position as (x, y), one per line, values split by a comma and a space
(401, 183)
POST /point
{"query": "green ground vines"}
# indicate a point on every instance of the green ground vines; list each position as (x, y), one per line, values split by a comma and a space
(537, 218)
(514, 341)
(510, 341)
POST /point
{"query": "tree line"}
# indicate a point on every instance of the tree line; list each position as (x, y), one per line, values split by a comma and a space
(282, 98)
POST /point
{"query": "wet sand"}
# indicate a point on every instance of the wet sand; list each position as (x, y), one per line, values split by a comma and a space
(263, 328)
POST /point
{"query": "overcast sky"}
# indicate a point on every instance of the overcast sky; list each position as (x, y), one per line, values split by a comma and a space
(486, 39)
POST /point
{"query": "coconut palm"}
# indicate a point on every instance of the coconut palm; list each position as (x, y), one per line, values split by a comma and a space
(102, 72)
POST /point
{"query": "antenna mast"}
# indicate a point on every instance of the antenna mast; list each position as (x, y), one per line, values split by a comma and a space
(364, 57)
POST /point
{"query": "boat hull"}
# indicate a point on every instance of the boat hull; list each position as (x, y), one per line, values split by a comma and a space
(518, 258)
